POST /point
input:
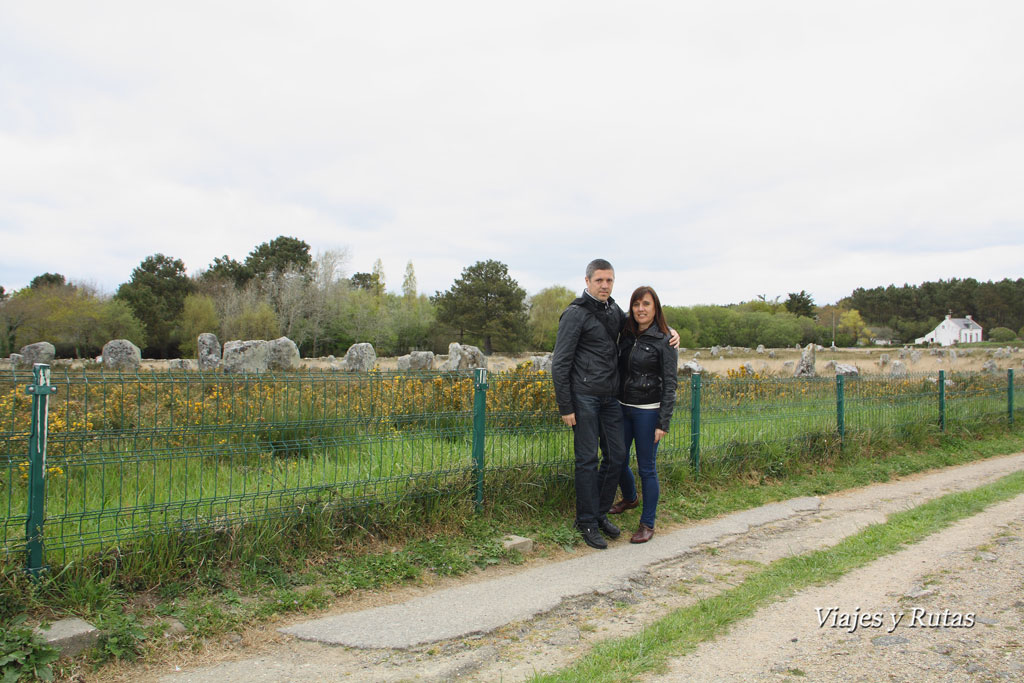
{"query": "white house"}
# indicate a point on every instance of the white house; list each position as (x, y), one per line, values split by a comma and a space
(953, 331)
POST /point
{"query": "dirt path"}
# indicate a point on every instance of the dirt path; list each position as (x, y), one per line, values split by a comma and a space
(974, 567)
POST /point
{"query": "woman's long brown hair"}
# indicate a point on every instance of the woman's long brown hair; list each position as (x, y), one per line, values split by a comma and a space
(659, 315)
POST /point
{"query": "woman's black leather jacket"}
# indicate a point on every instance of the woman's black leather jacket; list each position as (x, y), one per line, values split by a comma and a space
(647, 371)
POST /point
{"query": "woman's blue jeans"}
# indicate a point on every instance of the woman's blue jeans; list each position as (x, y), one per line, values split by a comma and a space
(638, 428)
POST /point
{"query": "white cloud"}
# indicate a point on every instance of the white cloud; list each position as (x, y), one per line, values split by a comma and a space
(715, 151)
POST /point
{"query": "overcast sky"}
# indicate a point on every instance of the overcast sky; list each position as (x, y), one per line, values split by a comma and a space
(715, 150)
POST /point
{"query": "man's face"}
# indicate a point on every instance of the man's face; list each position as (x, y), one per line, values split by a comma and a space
(600, 284)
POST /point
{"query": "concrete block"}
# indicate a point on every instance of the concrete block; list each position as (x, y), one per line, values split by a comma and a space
(70, 636)
(523, 545)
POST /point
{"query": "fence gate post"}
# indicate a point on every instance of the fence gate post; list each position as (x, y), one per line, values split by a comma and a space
(1009, 394)
(40, 390)
(695, 422)
(942, 400)
(840, 412)
(479, 426)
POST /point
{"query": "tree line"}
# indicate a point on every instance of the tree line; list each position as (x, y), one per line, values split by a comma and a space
(280, 289)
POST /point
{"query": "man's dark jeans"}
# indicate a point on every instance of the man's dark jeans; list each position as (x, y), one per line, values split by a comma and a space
(598, 419)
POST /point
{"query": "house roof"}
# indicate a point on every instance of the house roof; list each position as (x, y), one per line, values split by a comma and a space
(965, 323)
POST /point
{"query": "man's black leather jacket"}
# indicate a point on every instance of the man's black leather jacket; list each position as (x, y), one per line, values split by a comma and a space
(585, 359)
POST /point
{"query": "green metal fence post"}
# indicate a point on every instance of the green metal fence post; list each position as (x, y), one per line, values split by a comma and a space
(942, 400)
(1009, 394)
(40, 390)
(695, 422)
(840, 412)
(479, 426)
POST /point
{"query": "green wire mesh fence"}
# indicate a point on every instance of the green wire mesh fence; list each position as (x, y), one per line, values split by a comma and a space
(125, 456)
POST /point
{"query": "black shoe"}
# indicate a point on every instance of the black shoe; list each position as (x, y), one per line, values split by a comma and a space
(592, 537)
(609, 529)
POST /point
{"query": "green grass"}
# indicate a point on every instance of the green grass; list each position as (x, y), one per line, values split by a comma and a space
(681, 631)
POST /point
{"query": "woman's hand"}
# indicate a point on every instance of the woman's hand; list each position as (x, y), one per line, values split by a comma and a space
(658, 433)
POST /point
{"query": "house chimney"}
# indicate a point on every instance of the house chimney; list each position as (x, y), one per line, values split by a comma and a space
(970, 318)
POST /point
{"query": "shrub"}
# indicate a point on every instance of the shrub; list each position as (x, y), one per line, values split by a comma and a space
(1001, 335)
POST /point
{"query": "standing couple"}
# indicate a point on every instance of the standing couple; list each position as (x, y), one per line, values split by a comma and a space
(615, 384)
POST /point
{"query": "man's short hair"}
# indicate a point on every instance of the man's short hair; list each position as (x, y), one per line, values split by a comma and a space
(598, 264)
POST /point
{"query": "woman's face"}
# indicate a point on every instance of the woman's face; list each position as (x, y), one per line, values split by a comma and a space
(643, 311)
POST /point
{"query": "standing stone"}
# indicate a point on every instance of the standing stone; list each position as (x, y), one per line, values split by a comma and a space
(245, 356)
(208, 350)
(360, 357)
(181, 364)
(282, 354)
(40, 352)
(989, 366)
(884, 359)
(806, 366)
(760, 348)
(771, 353)
(915, 356)
(716, 351)
(417, 360)
(463, 357)
(898, 369)
(540, 363)
(121, 354)
(952, 354)
(847, 369)
(17, 359)
(748, 368)
(690, 367)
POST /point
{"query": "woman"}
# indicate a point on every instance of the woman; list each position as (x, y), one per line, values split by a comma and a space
(647, 376)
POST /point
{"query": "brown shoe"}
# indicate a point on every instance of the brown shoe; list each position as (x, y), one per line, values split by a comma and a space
(643, 534)
(624, 505)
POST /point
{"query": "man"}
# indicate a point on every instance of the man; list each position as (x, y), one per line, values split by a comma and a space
(584, 368)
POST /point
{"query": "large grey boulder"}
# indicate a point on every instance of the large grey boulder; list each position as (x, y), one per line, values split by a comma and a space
(898, 369)
(245, 356)
(359, 358)
(990, 366)
(540, 363)
(847, 369)
(282, 354)
(121, 354)
(40, 352)
(805, 368)
(690, 367)
(416, 360)
(463, 357)
(208, 351)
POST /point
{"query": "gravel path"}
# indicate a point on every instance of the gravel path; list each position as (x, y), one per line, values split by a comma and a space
(975, 567)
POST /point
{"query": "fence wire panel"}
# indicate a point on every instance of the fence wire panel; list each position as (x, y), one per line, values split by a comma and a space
(130, 455)
(874, 403)
(973, 398)
(524, 429)
(15, 429)
(745, 418)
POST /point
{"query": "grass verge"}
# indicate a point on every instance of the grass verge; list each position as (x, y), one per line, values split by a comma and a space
(681, 631)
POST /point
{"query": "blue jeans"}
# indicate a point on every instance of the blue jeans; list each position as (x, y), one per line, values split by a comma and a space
(638, 428)
(598, 420)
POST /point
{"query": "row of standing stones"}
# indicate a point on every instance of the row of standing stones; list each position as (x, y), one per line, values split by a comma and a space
(258, 355)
